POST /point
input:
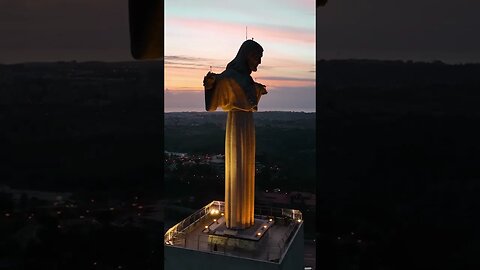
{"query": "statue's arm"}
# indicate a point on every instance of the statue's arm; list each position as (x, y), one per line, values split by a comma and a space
(215, 92)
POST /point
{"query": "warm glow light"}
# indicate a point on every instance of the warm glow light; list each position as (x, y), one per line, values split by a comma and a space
(270, 220)
(206, 226)
(214, 220)
(259, 234)
(299, 220)
(265, 226)
(223, 214)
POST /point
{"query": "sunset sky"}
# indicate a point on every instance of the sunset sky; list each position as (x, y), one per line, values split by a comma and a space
(200, 34)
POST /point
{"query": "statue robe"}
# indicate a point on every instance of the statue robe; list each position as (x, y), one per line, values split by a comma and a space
(238, 95)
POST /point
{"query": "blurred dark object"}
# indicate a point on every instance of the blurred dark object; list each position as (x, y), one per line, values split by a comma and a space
(146, 28)
(321, 2)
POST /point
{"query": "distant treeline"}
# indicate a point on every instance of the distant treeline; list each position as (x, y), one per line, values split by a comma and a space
(398, 86)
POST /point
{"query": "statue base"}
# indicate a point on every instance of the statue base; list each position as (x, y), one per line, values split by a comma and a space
(247, 239)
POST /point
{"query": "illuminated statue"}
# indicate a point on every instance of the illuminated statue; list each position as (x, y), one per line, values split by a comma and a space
(236, 92)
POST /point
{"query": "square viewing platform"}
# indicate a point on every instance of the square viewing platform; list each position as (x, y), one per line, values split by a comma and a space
(275, 241)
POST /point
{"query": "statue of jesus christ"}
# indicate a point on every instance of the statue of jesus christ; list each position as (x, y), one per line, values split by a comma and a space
(236, 92)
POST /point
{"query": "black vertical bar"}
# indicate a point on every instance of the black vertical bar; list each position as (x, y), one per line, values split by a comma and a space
(146, 18)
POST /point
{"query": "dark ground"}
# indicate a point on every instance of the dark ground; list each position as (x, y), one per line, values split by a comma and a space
(398, 154)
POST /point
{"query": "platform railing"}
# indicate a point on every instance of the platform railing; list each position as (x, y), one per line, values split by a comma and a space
(176, 235)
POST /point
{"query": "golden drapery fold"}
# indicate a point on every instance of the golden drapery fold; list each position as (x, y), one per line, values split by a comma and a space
(225, 92)
(222, 90)
(239, 170)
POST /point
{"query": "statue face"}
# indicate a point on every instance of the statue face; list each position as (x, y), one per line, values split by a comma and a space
(254, 59)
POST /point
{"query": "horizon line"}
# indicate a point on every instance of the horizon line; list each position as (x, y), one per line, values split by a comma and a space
(432, 61)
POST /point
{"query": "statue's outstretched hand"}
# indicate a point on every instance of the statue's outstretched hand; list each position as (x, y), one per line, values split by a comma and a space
(262, 88)
(209, 80)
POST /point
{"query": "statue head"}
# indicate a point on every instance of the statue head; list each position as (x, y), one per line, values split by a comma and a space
(248, 57)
